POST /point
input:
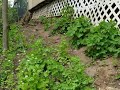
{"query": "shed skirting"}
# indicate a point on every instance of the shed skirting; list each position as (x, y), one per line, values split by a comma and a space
(96, 10)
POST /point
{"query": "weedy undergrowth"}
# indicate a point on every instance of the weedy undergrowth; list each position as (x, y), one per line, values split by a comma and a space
(0, 43)
(17, 40)
(78, 31)
(43, 19)
(64, 21)
(6, 71)
(16, 45)
(46, 22)
(117, 77)
(103, 41)
(52, 68)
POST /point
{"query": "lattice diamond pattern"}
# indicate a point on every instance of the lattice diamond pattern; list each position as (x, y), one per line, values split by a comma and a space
(96, 10)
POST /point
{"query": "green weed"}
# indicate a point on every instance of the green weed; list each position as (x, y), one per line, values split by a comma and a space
(103, 41)
(52, 68)
(78, 31)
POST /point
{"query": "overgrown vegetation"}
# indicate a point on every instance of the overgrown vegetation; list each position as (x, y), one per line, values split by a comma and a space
(12, 17)
(7, 76)
(59, 24)
(0, 25)
(52, 68)
(6, 58)
(78, 31)
(117, 77)
(17, 39)
(43, 66)
(0, 17)
(46, 22)
(101, 41)
(7, 71)
(64, 21)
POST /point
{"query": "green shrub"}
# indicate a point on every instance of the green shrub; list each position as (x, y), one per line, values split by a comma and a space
(64, 21)
(78, 31)
(45, 21)
(61, 26)
(16, 39)
(1, 27)
(0, 42)
(67, 12)
(12, 18)
(12, 15)
(103, 40)
(6, 71)
(117, 77)
(52, 68)
(7, 66)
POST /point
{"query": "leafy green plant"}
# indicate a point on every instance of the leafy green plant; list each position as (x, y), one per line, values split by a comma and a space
(117, 77)
(1, 44)
(45, 21)
(103, 40)
(52, 68)
(67, 12)
(17, 39)
(12, 17)
(78, 31)
(7, 67)
(6, 71)
(64, 21)
(61, 26)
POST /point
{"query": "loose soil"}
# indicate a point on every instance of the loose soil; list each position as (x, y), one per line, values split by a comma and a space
(103, 71)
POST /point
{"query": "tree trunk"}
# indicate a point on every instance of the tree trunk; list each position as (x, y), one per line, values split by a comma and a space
(5, 24)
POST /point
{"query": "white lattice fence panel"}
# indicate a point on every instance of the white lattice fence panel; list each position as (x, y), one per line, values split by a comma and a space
(96, 10)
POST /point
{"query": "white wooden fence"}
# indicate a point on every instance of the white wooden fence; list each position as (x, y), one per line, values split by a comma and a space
(96, 10)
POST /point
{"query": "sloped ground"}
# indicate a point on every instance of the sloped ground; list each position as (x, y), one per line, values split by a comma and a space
(103, 71)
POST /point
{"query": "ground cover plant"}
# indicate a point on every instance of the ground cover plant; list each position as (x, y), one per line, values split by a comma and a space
(103, 40)
(44, 66)
(59, 24)
(46, 22)
(52, 68)
(7, 67)
(1, 43)
(12, 16)
(117, 77)
(64, 21)
(17, 39)
(78, 31)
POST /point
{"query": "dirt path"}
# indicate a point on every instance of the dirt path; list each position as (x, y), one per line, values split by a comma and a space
(104, 71)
